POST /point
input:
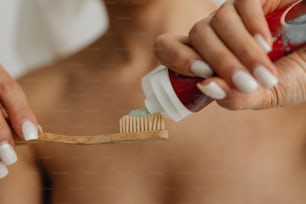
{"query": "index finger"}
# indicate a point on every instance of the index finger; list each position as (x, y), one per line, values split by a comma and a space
(253, 18)
(15, 103)
(176, 53)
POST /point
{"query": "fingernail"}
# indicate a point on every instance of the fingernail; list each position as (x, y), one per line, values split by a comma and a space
(40, 128)
(29, 131)
(201, 69)
(3, 170)
(265, 77)
(7, 153)
(263, 43)
(244, 81)
(213, 90)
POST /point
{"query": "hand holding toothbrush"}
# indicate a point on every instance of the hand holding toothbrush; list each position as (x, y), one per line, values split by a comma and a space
(16, 117)
(233, 43)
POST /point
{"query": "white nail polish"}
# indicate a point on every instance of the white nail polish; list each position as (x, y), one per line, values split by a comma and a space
(213, 90)
(29, 131)
(265, 77)
(262, 42)
(201, 69)
(40, 128)
(244, 81)
(3, 170)
(7, 153)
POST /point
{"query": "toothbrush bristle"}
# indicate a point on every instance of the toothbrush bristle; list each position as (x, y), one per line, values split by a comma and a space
(150, 122)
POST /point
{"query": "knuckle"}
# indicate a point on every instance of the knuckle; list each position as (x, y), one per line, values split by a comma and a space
(198, 30)
(160, 44)
(157, 44)
(5, 130)
(195, 29)
(252, 58)
(220, 15)
(182, 58)
(160, 40)
(193, 33)
(228, 62)
(186, 61)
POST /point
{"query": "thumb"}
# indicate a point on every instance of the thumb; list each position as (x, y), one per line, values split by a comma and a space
(291, 89)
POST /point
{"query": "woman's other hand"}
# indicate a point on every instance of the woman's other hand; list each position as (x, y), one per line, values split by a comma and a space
(16, 118)
(233, 42)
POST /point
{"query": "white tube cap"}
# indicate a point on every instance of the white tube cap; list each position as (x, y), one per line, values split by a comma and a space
(160, 95)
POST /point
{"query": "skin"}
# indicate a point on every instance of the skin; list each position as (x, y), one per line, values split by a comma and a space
(235, 45)
(14, 108)
(226, 157)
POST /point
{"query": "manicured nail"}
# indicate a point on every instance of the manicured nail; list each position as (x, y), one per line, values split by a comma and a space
(213, 90)
(40, 128)
(265, 77)
(263, 43)
(201, 69)
(29, 131)
(244, 81)
(3, 170)
(7, 153)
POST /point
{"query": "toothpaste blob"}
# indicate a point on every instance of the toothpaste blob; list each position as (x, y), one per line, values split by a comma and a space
(177, 96)
(138, 113)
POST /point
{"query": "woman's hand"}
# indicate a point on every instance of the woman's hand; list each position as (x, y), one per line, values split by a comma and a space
(233, 43)
(16, 118)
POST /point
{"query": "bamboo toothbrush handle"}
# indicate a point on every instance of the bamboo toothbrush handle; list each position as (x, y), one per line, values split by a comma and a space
(99, 139)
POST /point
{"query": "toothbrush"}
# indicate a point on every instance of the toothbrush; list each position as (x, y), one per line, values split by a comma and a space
(132, 128)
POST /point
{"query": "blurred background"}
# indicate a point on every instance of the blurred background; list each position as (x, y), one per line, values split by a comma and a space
(35, 32)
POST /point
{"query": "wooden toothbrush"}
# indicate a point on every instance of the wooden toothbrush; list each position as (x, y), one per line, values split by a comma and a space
(132, 128)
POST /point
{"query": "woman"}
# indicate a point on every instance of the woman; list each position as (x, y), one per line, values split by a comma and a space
(216, 156)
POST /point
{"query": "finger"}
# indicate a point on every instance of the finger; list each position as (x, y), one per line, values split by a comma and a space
(244, 46)
(15, 103)
(7, 153)
(214, 87)
(220, 58)
(292, 87)
(175, 53)
(253, 17)
(3, 170)
(229, 98)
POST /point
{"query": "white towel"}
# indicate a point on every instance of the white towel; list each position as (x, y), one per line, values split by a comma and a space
(50, 29)
(35, 32)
